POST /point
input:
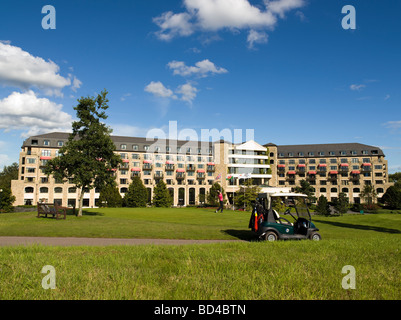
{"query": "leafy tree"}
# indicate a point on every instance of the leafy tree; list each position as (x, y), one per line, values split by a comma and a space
(211, 196)
(161, 195)
(88, 156)
(6, 200)
(369, 194)
(392, 198)
(246, 195)
(306, 189)
(137, 195)
(341, 204)
(110, 196)
(278, 205)
(396, 178)
(323, 206)
(9, 173)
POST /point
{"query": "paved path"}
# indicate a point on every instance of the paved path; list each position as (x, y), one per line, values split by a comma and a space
(64, 241)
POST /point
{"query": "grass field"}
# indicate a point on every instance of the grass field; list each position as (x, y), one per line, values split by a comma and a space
(287, 270)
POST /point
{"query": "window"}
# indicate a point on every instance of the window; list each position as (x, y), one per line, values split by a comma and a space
(333, 190)
(322, 161)
(365, 152)
(44, 179)
(290, 154)
(332, 153)
(135, 156)
(353, 152)
(344, 160)
(312, 161)
(28, 190)
(58, 190)
(291, 161)
(366, 160)
(30, 170)
(135, 147)
(146, 148)
(311, 154)
(322, 189)
(72, 190)
(60, 143)
(46, 142)
(123, 147)
(378, 167)
(332, 161)
(343, 153)
(46, 153)
(281, 154)
(320, 153)
(44, 190)
(301, 154)
(281, 162)
(355, 160)
(34, 142)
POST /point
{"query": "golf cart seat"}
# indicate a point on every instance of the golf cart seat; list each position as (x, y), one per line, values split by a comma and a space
(279, 219)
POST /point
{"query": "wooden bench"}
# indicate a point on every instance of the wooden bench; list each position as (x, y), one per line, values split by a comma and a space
(52, 209)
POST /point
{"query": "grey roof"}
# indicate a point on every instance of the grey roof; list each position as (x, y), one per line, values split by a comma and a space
(129, 142)
(313, 150)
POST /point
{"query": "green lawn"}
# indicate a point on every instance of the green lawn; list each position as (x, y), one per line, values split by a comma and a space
(239, 270)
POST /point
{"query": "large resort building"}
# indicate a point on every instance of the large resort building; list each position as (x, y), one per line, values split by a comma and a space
(190, 168)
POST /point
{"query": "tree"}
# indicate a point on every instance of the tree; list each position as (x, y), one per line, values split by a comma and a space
(212, 194)
(306, 189)
(9, 173)
(161, 196)
(247, 195)
(323, 205)
(369, 194)
(392, 198)
(110, 196)
(137, 195)
(88, 157)
(396, 178)
(341, 204)
(6, 200)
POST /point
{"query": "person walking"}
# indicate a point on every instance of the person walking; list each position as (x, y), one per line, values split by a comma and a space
(220, 196)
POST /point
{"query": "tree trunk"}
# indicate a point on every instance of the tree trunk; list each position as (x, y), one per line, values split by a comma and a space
(81, 200)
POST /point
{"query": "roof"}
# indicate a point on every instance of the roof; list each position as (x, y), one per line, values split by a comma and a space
(129, 142)
(324, 150)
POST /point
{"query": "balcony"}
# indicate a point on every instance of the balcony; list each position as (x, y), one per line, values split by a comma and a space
(169, 166)
(147, 166)
(159, 174)
(180, 175)
(191, 167)
(211, 167)
(201, 174)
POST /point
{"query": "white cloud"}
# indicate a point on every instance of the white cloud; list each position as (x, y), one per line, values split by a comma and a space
(393, 124)
(256, 37)
(215, 15)
(201, 68)
(158, 89)
(176, 24)
(188, 92)
(76, 84)
(357, 87)
(19, 68)
(32, 115)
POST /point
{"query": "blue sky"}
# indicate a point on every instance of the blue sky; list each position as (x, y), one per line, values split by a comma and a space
(284, 68)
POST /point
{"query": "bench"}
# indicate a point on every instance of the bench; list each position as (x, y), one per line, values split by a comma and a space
(52, 209)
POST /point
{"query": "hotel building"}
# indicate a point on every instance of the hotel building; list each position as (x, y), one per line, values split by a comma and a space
(190, 168)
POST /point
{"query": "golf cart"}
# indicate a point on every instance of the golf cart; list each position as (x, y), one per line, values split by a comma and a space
(269, 225)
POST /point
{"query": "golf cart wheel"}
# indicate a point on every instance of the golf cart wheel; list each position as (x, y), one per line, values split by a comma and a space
(315, 236)
(270, 236)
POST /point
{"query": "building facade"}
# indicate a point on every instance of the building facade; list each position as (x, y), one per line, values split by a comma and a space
(190, 168)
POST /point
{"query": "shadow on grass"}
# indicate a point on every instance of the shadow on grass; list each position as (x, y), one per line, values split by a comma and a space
(71, 212)
(358, 226)
(245, 235)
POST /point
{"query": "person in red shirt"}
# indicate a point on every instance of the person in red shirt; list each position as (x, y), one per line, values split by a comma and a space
(220, 196)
